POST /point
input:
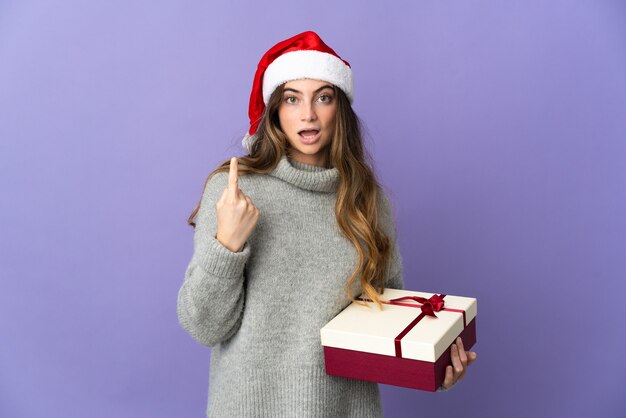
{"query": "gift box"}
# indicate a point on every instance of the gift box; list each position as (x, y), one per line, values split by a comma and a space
(406, 344)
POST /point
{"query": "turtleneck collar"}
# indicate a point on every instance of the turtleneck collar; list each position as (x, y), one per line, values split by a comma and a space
(306, 176)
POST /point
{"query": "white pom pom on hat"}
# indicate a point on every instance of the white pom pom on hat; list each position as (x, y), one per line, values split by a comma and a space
(302, 56)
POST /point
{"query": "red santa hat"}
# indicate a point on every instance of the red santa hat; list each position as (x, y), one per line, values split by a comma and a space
(302, 56)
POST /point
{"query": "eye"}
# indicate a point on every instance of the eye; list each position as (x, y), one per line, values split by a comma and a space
(327, 97)
(288, 98)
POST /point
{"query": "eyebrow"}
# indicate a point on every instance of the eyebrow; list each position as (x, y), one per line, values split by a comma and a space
(299, 92)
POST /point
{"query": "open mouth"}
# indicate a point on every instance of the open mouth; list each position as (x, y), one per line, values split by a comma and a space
(309, 134)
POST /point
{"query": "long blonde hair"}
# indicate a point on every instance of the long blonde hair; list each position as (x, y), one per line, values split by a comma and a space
(356, 209)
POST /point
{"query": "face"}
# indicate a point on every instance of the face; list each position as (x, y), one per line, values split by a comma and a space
(307, 117)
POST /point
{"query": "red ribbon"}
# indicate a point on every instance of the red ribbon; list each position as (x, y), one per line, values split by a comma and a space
(428, 306)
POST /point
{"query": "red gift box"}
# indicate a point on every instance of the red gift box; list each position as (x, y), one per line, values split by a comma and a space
(406, 344)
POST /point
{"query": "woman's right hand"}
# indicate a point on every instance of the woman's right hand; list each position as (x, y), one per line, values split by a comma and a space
(236, 214)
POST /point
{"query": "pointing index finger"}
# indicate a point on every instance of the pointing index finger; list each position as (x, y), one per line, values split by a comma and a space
(233, 175)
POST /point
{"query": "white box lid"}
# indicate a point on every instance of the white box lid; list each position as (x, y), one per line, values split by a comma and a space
(371, 330)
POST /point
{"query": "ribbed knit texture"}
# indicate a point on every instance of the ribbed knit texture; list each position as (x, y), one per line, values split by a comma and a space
(262, 309)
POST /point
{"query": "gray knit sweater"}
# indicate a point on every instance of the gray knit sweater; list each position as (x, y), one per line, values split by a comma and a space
(261, 309)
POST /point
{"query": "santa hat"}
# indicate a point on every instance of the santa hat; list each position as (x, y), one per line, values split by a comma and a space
(302, 56)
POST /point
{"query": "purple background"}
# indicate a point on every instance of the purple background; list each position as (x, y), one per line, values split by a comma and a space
(498, 127)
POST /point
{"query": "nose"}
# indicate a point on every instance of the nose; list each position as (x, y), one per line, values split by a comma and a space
(308, 112)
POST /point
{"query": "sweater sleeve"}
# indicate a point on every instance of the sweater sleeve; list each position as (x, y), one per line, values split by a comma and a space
(395, 279)
(211, 298)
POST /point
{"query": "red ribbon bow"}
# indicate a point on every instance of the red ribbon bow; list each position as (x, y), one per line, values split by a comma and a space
(429, 306)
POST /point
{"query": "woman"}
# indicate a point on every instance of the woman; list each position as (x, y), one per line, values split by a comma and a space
(285, 238)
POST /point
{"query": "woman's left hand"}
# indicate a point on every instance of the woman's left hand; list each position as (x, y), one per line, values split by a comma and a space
(460, 360)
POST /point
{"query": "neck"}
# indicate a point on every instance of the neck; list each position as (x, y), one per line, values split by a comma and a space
(316, 159)
(306, 176)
